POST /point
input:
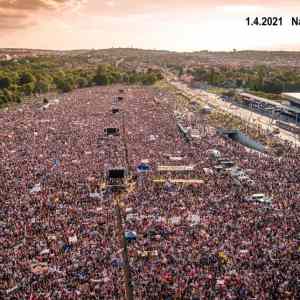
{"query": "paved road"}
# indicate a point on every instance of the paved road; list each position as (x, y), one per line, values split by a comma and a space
(247, 115)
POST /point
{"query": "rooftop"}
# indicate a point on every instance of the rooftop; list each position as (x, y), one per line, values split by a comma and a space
(292, 96)
(261, 99)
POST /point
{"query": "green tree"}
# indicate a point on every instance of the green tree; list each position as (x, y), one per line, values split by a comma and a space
(101, 77)
(64, 85)
(116, 76)
(26, 77)
(3, 99)
(27, 89)
(5, 82)
(17, 98)
(8, 95)
(125, 78)
(82, 82)
(211, 76)
(42, 87)
(148, 79)
(133, 78)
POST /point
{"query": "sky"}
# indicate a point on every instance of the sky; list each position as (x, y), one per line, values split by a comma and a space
(180, 25)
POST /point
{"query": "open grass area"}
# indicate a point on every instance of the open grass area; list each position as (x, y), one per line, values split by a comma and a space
(216, 90)
(270, 96)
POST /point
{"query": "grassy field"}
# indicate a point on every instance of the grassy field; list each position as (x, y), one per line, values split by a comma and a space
(273, 97)
(216, 90)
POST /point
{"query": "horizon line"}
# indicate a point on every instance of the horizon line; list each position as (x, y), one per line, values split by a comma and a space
(149, 49)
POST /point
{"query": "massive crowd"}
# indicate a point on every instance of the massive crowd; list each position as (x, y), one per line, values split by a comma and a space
(58, 237)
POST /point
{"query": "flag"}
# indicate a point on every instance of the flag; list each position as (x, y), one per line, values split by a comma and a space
(56, 163)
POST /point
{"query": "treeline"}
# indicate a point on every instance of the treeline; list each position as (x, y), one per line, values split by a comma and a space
(261, 78)
(34, 76)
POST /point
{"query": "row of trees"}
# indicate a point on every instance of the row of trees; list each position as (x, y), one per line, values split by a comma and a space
(260, 78)
(31, 77)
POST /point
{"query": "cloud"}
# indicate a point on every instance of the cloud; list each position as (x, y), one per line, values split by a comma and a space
(35, 4)
(21, 13)
(110, 3)
(16, 14)
(123, 7)
(238, 9)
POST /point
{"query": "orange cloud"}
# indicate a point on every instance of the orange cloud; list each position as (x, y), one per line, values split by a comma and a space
(16, 14)
(122, 7)
(164, 24)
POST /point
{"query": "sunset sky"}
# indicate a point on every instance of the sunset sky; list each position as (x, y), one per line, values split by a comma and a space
(182, 25)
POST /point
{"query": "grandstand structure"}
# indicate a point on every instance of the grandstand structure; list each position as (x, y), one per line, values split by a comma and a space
(258, 102)
(293, 109)
(290, 112)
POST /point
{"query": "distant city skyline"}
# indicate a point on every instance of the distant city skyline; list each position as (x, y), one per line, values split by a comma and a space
(189, 25)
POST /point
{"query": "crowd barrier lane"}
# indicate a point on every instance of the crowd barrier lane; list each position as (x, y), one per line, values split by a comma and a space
(119, 205)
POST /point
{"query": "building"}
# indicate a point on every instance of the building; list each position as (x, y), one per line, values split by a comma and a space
(290, 112)
(5, 57)
(259, 103)
(293, 109)
(293, 98)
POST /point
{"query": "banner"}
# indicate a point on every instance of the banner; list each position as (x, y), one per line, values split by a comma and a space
(175, 168)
